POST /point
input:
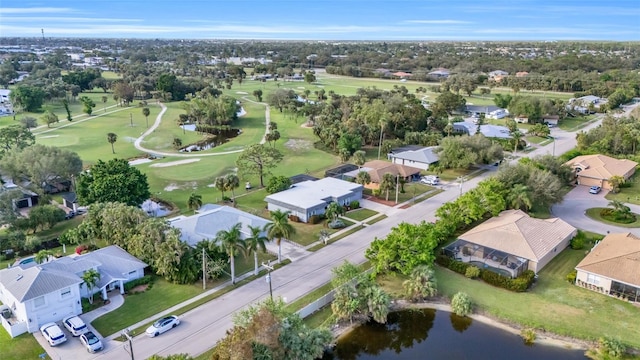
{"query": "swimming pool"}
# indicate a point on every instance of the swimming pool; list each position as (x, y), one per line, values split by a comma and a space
(482, 265)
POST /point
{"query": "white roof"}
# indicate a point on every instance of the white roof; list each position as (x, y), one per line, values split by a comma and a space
(308, 194)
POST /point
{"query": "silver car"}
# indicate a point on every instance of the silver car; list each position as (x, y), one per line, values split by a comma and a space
(91, 342)
(165, 324)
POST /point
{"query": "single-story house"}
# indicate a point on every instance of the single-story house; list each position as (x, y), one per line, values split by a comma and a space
(488, 130)
(551, 119)
(210, 219)
(4, 95)
(613, 267)
(497, 73)
(309, 198)
(419, 158)
(513, 242)
(596, 170)
(584, 103)
(498, 114)
(477, 110)
(70, 200)
(521, 119)
(377, 169)
(440, 73)
(40, 293)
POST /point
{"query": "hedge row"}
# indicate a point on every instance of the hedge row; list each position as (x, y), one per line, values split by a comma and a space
(519, 284)
(147, 279)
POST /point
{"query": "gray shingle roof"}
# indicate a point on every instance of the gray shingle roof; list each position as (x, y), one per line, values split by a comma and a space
(34, 281)
(424, 155)
(213, 218)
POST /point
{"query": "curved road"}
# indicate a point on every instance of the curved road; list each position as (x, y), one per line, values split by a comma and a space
(138, 142)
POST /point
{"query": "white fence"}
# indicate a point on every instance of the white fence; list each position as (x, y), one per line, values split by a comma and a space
(316, 305)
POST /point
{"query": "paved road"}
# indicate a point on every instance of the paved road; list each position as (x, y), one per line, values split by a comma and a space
(575, 203)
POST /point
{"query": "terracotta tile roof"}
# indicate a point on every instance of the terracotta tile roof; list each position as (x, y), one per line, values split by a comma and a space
(617, 257)
(516, 233)
(381, 167)
(601, 166)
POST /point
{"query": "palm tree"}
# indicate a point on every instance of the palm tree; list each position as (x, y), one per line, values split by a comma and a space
(517, 135)
(279, 228)
(616, 181)
(378, 303)
(333, 211)
(519, 197)
(42, 256)
(111, 138)
(90, 278)
(448, 129)
(231, 242)
(359, 158)
(619, 207)
(256, 241)
(104, 101)
(146, 112)
(231, 183)
(421, 283)
(388, 183)
(195, 201)
(363, 178)
(221, 185)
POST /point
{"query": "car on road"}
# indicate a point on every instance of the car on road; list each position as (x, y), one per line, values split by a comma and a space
(53, 334)
(430, 180)
(75, 325)
(595, 189)
(165, 324)
(91, 342)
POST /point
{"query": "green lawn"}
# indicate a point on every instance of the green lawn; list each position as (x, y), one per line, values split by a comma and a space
(450, 174)
(22, 347)
(570, 123)
(594, 213)
(553, 304)
(360, 214)
(538, 140)
(630, 192)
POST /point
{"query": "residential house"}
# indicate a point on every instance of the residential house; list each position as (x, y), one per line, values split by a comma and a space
(402, 74)
(70, 200)
(513, 242)
(28, 199)
(211, 219)
(439, 73)
(551, 119)
(377, 169)
(522, 74)
(4, 95)
(309, 198)
(521, 119)
(613, 267)
(596, 170)
(40, 293)
(477, 110)
(420, 158)
(497, 75)
(585, 104)
(498, 114)
(488, 130)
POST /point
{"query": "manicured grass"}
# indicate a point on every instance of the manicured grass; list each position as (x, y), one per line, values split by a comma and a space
(22, 347)
(320, 245)
(450, 174)
(320, 318)
(538, 140)
(594, 213)
(570, 123)
(375, 220)
(630, 192)
(310, 297)
(553, 304)
(360, 214)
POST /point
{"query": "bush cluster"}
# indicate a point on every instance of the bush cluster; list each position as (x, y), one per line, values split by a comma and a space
(519, 284)
(145, 280)
(314, 219)
(355, 204)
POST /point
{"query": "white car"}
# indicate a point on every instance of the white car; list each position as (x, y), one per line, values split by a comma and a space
(165, 324)
(430, 180)
(75, 325)
(53, 334)
(91, 342)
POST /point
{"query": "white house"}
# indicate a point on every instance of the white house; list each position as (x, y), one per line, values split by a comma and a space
(40, 293)
(420, 158)
(210, 219)
(309, 198)
(4, 95)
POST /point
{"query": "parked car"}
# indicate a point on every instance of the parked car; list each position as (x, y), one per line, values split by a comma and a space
(595, 189)
(165, 324)
(91, 342)
(430, 180)
(53, 334)
(75, 325)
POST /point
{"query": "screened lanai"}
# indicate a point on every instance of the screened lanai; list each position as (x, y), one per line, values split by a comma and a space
(487, 258)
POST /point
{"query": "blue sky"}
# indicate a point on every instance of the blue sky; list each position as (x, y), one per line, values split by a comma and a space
(326, 19)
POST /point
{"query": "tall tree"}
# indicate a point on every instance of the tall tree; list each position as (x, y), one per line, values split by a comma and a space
(90, 278)
(255, 242)
(258, 160)
(42, 256)
(363, 178)
(359, 158)
(27, 97)
(280, 228)
(146, 112)
(221, 185)
(112, 181)
(104, 102)
(232, 243)
(194, 202)
(333, 211)
(387, 183)
(519, 197)
(232, 182)
(421, 283)
(49, 118)
(112, 138)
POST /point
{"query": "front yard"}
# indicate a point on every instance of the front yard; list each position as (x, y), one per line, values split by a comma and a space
(630, 192)
(22, 347)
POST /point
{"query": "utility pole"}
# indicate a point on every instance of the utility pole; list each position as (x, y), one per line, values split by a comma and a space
(397, 186)
(381, 135)
(268, 277)
(126, 334)
(460, 180)
(204, 271)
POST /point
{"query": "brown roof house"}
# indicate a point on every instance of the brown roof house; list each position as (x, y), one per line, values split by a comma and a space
(596, 170)
(513, 242)
(613, 267)
(377, 169)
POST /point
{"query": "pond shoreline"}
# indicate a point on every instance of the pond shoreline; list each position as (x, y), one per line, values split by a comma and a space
(542, 337)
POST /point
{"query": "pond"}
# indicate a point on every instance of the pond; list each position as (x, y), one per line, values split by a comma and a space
(431, 334)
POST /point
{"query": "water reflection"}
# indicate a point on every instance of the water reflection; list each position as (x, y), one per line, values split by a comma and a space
(460, 323)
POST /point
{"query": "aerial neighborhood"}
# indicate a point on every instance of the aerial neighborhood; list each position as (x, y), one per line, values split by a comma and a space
(271, 193)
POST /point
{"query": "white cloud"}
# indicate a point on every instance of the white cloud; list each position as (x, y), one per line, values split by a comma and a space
(36, 10)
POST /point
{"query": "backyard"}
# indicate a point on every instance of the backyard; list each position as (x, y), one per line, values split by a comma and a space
(629, 192)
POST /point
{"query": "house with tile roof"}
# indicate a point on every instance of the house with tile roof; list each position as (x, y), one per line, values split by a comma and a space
(420, 158)
(211, 219)
(513, 242)
(377, 169)
(40, 293)
(309, 198)
(596, 170)
(613, 267)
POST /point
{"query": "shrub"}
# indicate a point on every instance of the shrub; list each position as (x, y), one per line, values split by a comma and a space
(145, 280)
(336, 224)
(355, 204)
(375, 192)
(577, 243)
(314, 219)
(461, 304)
(472, 272)
(277, 184)
(528, 335)
(571, 277)
(607, 349)
(81, 248)
(294, 218)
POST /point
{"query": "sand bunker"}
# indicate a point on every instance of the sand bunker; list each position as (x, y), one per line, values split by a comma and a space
(174, 163)
(48, 136)
(242, 93)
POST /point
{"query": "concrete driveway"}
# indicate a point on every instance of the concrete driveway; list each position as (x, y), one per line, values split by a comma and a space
(71, 349)
(575, 204)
